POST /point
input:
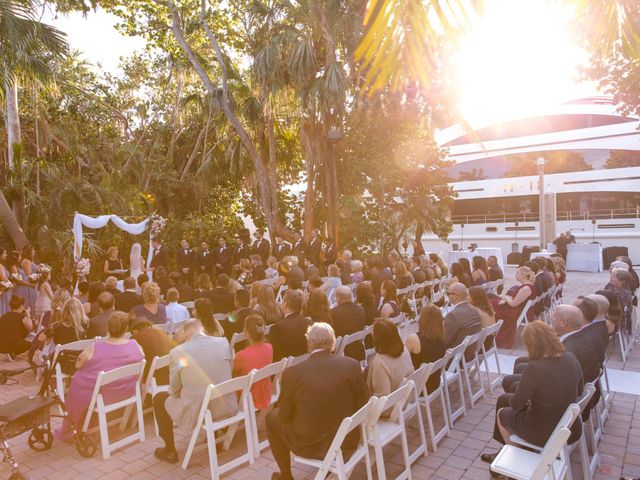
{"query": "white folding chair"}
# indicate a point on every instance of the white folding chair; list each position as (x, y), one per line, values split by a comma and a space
(163, 327)
(176, 326)
(357, 337)
(236, 338)
(151, 386)
(61, 377)
(471, 367)
(97, 406)
(606, 397)
(280, 294)
(384, 430)
(188, 305)
(451, 375)
(237, 389)
(551, 462)
(522, 319)
(333, 461)
(220, 316)
(428, 400)
(490, 333)
(291, 361)
(413, 408)
(274, 372)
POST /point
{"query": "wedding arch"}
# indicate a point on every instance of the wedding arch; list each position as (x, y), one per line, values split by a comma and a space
(154, 224)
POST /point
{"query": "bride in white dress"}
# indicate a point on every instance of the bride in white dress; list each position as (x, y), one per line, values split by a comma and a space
(136, 262)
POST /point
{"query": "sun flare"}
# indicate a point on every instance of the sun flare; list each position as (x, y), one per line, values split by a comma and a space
(518, 58)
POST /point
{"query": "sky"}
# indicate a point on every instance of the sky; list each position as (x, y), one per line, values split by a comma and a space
(518, 59)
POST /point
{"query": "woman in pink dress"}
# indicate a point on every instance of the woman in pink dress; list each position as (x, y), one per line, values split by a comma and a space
(257, 355)
(102, 356)
(510, 306)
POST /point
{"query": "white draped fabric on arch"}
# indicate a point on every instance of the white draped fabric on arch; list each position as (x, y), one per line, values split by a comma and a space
(80, 221)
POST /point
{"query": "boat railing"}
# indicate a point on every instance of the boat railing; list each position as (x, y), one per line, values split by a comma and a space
(602, 214)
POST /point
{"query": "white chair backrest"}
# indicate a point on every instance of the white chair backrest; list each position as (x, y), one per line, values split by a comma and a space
(236, 338)
(176, 326)
(420, 376)
(156, 364)
(455, 354)
(556, 442)
(585, 398)
(238, 385)
(270, 370)
(493, 329)
(280, 294)
(219, 316)
(188, 305)
(267, 329)
(291, 361)
(358, 419)
(78, 345)
(398, 319)
(356, 337)
(395, 402)
(165, 327)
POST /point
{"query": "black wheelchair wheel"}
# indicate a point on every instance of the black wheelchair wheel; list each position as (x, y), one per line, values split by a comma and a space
(85, 445)
(40, 439)
(18, 476)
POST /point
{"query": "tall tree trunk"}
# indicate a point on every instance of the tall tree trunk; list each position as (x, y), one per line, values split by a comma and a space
(175, 115)
(273, 167)
(13, 118)
(11, 224)
(37, 132)
(194, 152)
(309, 147)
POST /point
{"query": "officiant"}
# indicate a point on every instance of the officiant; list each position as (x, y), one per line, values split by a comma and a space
(113, 265)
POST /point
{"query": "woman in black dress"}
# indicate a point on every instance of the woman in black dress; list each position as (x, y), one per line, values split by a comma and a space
(427, 345)
(113, 265)
(550, 383)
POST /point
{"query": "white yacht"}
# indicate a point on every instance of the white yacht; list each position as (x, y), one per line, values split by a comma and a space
(601, 205)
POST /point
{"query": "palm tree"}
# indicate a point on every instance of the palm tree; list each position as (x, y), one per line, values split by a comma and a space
(24, 45)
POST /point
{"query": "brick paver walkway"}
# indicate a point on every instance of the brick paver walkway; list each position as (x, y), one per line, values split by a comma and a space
(457, 456)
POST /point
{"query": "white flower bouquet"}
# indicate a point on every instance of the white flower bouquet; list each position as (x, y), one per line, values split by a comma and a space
(5, 285)
(83, 267)
(156, 225)
(15, 277)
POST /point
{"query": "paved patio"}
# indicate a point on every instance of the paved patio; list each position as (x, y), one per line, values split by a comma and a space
(457, 456)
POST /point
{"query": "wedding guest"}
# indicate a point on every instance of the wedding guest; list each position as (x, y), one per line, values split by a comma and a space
(560, 267)
(112, 352)
(197, 363)
(458, 275)
(152, 309)
(347, 318)
(288, 335)
(294, 274)
(45, 294)
(316, 396)
(266, 306)
(154, 343)
(427, 345)
(366, 299)
(175, 312)
(113, 264)
(182, 284)
(612, 314)
(356, 272)
(221, 297)
(480, 274)
(478, 299)
(463, 319)
(185, 259)
(111, 285)
(315, 283)
(234, 323)
(29, 268)
(401, 276)
(92, 308)
(392, 361)
(126, 300)
(245, 277)
(258, 270)
(141, 281)
(495, 272)
(202, 311)
(438, 266)
(272, 268)
(203, 285)
(466, 266)
(15, 325)
(620, 285)
(98, 324)
(316, 307)
(390, 307)
(83, 291)
(333, 280)
(160, 256)
(509, 307)
(70, 325)
(256, 355)
(161, 277)
(310, 269)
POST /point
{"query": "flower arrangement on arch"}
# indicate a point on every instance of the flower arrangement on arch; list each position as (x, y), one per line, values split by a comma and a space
(83, 267)
(156, 225)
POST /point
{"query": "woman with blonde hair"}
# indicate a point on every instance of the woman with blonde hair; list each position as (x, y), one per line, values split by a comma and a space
(152, 309)
(70, 324)
(266, 305)
(510, 306)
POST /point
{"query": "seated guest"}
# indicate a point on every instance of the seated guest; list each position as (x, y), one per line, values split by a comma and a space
(635, 281)
(596, 332)
(550, 278)
(202, 311)
(125, 301)
(288, 335)
(466, 266)
(83, 291)
(392, 361)
(141, 281)
(245, 277)
(258, 270)
(463, 319)
(221, 297)
(345, 271)
(91, 308)
(272, 268)
(620, 285)
(366, 299)
(70, 325)
(256, 355)
(356, 271)
(203, 286)
(540, 280)
(315, 283)
(438, 266)
(293, 274)
(550, 383)
(152, 309)
(316, 306)
(347, 318)
(112, 352)
(111, 285)
(15, 325)
(333, 280)
(197, 363)
(427, 345)
(509, 307)
(559, 267)
(161, 277)
(612, 315)
(478, 299)
(458, 275)
(495, 272)
(480, 273)
(154, 343)
(181, 282)
(234, 323)
(175, 311)
(266, 305)
(98, 324)
(310, 269)
(316, 396)
(390, 306)
(401, 276)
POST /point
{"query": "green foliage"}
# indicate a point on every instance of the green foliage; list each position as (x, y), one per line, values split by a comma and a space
(561, 161)
(623, 159)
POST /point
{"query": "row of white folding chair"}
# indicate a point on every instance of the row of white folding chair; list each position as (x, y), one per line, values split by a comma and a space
(239, 337)
(280, 294)
(550, 463)
(492, 286)
(61, 377)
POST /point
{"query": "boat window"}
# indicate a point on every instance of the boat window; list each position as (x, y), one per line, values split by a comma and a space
(496, 210)
(600, 205)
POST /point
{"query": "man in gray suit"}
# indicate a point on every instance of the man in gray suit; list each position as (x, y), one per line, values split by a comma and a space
(463, 319)
(98, 324)
(198, 362)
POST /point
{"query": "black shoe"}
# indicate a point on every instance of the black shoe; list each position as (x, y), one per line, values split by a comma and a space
(169, 456)
(488, 457)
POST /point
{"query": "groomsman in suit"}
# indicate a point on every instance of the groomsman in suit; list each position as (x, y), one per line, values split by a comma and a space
(261, 245)
(280, 249)
(298, 248)
(240, 251)
(185, 259)
(160, 255)
(205, 259)
(223, 257)
(331, 253)
(314, 248)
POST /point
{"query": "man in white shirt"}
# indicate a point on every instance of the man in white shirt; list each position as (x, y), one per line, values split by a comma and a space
(175, 311)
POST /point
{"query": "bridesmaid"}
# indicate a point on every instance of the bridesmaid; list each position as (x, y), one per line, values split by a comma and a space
(5, 295)
(30, 293)
(21, 286)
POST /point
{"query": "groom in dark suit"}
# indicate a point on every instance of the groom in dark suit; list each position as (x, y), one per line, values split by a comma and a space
(160, 255)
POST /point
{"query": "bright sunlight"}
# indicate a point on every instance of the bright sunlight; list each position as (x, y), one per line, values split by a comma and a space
(518, 59)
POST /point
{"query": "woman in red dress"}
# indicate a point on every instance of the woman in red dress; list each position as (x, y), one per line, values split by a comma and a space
(510, 306)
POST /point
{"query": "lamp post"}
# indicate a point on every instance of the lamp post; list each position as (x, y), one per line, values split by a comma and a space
(541, 204)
